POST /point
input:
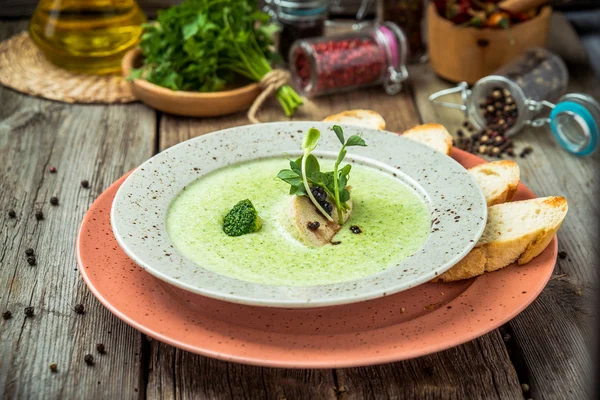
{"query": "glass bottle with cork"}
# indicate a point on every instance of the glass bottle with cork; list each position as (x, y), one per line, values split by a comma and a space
(87, 36)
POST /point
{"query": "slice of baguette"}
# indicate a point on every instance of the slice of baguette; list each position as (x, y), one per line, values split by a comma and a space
(303, 211)
(498, 180)
(364, 118)
(515, 232)
(435, 136)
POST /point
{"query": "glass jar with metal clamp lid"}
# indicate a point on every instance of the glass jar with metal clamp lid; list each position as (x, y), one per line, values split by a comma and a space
(374, 54)
(517, 93)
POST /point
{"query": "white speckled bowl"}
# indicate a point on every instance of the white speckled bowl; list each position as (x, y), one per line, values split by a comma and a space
(138, 214)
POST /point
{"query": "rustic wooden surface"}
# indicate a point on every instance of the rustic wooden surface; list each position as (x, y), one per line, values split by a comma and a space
(547, 346)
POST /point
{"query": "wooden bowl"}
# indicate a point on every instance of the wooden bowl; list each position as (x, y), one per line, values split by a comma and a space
(468, 54)
(189, 104)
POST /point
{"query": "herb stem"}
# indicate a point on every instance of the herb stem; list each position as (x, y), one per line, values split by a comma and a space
(307, 187)
(336, 189)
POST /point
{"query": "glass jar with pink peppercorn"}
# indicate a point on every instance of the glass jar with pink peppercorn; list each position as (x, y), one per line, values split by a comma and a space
(372, 55)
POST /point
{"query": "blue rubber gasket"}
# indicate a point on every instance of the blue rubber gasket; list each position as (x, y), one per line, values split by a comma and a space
(569, 106)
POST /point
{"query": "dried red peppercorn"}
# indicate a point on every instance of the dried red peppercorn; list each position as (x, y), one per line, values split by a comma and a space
(52, 170)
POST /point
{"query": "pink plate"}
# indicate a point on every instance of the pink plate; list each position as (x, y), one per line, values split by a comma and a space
(413, 323)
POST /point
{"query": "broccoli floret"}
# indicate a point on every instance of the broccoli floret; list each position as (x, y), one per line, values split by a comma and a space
(241, 219)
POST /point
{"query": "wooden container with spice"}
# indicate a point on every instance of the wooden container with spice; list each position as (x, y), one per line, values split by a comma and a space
(460, 53)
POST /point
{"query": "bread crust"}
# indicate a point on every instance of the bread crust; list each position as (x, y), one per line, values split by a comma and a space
(375, 120)
(422, 132)
(496, 255)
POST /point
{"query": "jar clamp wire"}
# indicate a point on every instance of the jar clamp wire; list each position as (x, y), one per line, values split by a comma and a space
(532, 82)
(371, 55)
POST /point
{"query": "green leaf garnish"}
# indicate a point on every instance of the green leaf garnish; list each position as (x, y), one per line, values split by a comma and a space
(305, 173)
(355, 140)
(339, 133)
(311, 139)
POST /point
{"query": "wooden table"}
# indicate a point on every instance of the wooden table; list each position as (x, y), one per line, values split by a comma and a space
(546, 347)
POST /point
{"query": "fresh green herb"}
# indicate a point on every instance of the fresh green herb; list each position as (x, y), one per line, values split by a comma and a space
(207, 45)
(305, 172)
(241, 219)
(341, 196)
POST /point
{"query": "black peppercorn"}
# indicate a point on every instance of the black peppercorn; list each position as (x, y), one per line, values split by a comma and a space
(89, 359)
(7, 315)
(29, 252)
(12, 214)
(101, 349)
(79, 309)
(39, 215)
(562, 255)
(29, 312)
(355, 229)
(85, 184)
(54, 200)
(31, 260)
(53, 367)
(313, 226)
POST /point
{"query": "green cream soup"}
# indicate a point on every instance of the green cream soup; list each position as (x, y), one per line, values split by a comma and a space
(393, 219)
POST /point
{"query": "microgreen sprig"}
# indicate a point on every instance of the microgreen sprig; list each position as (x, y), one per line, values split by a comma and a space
(342, 177)
(305, 172)
(311, 139)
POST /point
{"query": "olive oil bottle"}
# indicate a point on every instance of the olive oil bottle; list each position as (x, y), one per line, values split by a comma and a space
(88, 36)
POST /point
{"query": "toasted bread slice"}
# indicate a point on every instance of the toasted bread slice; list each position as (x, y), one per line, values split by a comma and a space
(435, 136)
(498, 180)
(515, 232)
(364, 118)
(303, 211)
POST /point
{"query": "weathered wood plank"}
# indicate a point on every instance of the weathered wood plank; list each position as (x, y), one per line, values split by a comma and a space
(484, 365)
(176, 374)
(97, 143)
(555, 333)
(476, 370)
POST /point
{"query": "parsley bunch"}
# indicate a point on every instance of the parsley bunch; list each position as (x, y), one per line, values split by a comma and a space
(206, 45)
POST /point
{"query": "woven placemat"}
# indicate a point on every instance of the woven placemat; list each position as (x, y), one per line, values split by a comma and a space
(24, 68)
